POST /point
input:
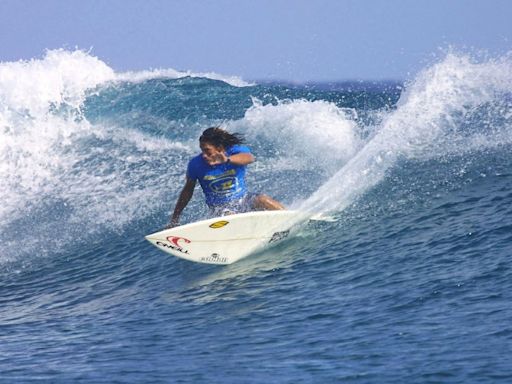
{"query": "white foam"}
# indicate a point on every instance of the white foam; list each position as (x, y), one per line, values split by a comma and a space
(29, 134)
(31, 87)
(62, 175)
(318, 134)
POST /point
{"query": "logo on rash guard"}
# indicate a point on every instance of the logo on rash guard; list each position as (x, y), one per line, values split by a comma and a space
(224, 185)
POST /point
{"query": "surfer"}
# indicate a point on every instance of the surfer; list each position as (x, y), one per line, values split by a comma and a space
(220, 170)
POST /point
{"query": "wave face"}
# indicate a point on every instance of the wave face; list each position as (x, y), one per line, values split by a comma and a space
(410, 283)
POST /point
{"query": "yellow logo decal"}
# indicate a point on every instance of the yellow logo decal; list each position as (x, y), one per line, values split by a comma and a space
(219, 224)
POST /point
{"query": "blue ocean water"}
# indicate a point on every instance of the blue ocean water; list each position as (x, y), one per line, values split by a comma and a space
(412, 283)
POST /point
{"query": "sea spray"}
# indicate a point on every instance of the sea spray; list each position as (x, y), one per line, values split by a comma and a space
(29, 132)
(428, 121)
(62, 176)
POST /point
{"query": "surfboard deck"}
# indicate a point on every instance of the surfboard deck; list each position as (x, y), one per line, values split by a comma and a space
(226, 239)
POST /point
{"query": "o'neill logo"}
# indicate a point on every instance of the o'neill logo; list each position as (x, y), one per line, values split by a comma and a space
(175, 243)
(175, 239)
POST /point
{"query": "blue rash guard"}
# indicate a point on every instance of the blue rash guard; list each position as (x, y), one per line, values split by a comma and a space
(221, 183)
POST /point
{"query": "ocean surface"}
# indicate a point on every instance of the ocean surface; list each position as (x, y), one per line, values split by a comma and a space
(412, 282)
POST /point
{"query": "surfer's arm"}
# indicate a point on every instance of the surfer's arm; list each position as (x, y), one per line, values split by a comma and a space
(183, 199)
(240, 158)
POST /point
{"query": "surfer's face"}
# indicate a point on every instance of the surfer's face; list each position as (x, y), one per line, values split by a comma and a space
(211, 153)
(210, 149)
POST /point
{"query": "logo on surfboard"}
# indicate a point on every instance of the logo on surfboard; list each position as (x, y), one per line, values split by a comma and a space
(219, 224)
(175, 243)
(215, 258)
(175, 239)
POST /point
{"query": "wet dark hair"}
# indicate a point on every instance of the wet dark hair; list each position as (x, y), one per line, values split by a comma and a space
(219, 137)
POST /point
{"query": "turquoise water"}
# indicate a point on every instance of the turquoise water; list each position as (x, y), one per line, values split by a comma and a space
(411, 283)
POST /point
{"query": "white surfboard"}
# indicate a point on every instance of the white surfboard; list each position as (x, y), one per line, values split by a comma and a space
(226, 239)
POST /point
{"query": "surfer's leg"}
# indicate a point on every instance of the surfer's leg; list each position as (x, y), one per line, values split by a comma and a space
(266, 203)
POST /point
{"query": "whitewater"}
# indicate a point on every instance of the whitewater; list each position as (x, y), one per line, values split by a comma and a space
(411, 282)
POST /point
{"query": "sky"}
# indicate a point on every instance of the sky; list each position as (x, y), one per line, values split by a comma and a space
(292, 40)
